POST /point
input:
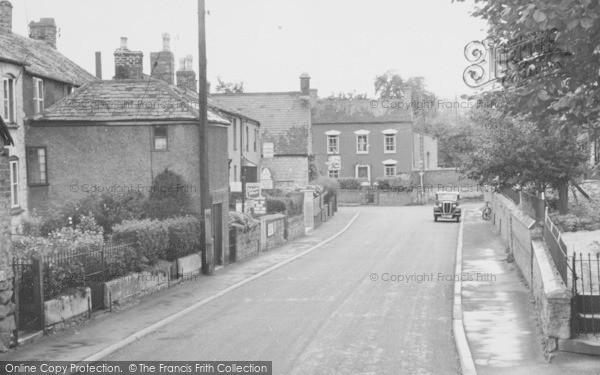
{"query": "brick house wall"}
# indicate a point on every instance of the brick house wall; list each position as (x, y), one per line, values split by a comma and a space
(376, 155)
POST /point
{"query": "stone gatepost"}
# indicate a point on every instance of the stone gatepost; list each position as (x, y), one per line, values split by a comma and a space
(7, 307)
(309, 212)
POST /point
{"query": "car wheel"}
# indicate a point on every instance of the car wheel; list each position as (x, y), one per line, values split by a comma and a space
(435, 218)
(458, 219)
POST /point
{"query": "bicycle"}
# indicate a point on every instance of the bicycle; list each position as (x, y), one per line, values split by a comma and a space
(487, 212)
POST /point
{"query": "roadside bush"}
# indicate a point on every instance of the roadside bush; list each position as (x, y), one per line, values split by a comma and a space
(572, 223)
(242, 220)
(276, 205)
(122, 262)
(150, 238)
(62, 279)
(402, 182)
(168, 197)
(330, 185)
(184, 236)
(350, 183)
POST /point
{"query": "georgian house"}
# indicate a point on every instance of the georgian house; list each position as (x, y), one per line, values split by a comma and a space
(34, 75)
(355, 138)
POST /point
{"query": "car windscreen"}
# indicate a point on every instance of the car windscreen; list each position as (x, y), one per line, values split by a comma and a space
(447, 197)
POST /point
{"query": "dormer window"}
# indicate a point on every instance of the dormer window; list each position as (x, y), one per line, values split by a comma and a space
(8, 99)
(38, 95)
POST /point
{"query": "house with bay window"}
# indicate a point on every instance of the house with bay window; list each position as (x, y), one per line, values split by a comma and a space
(354, 138)
(34, 75)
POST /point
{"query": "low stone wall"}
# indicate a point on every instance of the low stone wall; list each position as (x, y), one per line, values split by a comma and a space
(395, 198)
(350, 197)
(133, 286)
(272, 231)
(525, 242)
(65, 310)
(247, 242)
(295, 227)
(189, 265)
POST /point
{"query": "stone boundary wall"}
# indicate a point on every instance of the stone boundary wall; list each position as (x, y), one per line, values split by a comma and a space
(295, 227)
(247, 242)
(63, 311)
(135, 285)
(350, 197)
(272, 228)
(524, 240)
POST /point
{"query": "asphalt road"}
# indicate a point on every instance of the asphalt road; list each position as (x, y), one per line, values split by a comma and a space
(326, 314)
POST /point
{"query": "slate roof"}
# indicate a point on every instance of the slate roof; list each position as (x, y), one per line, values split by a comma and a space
(125, 100)
(41, 60)
(192, 97)
(357, 111)
(284, 117)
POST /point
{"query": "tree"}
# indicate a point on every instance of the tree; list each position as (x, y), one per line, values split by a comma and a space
(168, 196)
(570, 84)
(390, 85)
(517, 151)
(346, 96)
(229, 87)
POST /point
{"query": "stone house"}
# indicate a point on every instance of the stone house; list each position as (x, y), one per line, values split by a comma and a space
(243, 135)
(353, 138)
(285, 124)
(34, 75)
(117, 135)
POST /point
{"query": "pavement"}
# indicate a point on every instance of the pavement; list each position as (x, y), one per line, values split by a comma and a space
(81, 342)
(498, 312)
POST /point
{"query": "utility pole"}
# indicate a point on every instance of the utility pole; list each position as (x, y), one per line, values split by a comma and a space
(422, 143)
(205, 199)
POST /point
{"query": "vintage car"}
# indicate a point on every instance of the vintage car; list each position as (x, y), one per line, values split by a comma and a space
(447, 206)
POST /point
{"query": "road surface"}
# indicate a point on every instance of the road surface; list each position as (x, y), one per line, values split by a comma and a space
(376, 300)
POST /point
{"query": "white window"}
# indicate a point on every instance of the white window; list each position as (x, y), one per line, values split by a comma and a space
(36, 166)
(333, 174)
(362, 144)
(161, 140)
(14, 184)
(363, 171)
(8, 99)
(389, 143)
(389, 170)
(38, 95)
(333, 144)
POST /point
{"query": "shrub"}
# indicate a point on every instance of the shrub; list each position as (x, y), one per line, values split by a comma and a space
(62, 279)
(168, 197)
(402, 182)
(350, 183)
(242, 220)
(184, 236)
(330, 185)
(123, 261)
(150, 238)
(572, 223)
(276, 205)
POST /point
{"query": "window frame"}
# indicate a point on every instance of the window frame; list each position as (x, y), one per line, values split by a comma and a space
(38, 99)
(15, 201)
(366, 144)
(29, 161)
(9, 107)
(154, 137)
(336, 150)
(333, 171)
(385, 170)
(391, 136)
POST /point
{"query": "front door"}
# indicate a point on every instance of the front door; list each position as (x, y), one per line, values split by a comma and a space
(217, 232)
(362, 171)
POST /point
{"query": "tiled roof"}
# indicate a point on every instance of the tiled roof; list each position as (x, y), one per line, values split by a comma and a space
(354, 111)
(125, 100)
(284, 118)
(41, 60)
(192, 97)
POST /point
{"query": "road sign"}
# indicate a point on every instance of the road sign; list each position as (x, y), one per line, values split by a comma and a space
(252, 190)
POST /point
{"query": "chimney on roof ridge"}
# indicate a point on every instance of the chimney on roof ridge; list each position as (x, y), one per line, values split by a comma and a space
(162, 64)
(186, 77)
(44, 30)
(6, 16)
(128, 64)
(305, 84)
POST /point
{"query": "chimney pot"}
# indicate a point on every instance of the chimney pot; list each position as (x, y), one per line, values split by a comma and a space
(123, 43)
(182, 63)
(6, 16)
(166, 41)
(188, 62)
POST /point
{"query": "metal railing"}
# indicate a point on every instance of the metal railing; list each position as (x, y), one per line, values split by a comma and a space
(557, 248)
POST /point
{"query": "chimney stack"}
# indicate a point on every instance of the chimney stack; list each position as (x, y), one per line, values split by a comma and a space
(128, 64)
(305, 84)
(44, 30)
(5, 16)
(98, 65)
(162, 64)
(186, 77)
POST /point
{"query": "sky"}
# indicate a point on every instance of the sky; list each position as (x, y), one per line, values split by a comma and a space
(342, 44)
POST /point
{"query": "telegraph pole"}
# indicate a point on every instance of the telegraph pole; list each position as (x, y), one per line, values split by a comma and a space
(205, 199)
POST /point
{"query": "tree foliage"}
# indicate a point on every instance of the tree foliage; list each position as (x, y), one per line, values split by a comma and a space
(346, 96)
(391, 85)
(168, 197)
(229, 87)
(571, 90)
